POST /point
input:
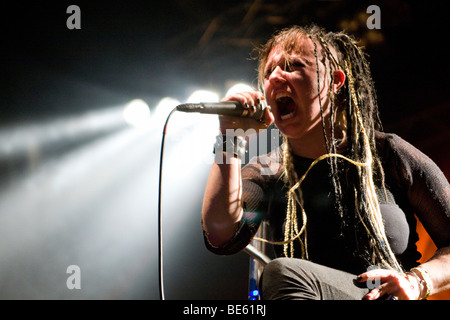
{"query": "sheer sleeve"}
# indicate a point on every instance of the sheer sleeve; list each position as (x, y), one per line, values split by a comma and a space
(257, 178)
(422, 184)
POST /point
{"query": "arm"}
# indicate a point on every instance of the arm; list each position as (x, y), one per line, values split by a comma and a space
(223, 204)
(428, 193)
(413, 285)
(438, 269)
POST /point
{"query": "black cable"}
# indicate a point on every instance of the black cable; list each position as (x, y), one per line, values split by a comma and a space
(160, 237)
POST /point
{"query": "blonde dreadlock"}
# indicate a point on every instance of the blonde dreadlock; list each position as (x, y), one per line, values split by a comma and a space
(354, 112)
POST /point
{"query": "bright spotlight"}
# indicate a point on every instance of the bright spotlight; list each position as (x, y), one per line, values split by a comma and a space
(239, 87)
(203, 96)
(164, 107)
(137, 113)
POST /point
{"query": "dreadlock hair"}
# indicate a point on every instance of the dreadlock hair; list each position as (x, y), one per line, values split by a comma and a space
(354, 114)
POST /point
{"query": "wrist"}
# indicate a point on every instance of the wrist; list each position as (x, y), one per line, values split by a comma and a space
(424, 280)
(415, 283)
(231, 145)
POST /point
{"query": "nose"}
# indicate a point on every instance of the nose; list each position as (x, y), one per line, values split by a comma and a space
(277, 75)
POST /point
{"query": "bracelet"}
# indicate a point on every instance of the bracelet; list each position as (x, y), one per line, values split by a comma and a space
(419, 280)
(426, 280)
(231, 144)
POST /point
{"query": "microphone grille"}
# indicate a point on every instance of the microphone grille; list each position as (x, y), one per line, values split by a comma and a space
(188, 107)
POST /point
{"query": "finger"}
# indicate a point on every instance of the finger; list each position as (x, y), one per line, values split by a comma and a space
(252, 99)
(393, 284)
(374, 274)
(258, 98)
(376, 293)
(242, 98)
(248, 98)
(268, 116)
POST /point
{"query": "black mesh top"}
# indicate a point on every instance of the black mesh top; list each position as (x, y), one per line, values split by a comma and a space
(415, 185)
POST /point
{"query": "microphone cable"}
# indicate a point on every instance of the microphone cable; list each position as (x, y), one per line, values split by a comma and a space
(230, 108)
(160, 233)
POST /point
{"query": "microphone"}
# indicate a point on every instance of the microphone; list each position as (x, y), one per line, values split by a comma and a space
(226, 108)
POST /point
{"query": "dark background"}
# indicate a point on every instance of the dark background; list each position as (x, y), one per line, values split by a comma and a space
(150, 50)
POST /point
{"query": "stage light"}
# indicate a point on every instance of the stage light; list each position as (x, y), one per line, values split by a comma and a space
(162, 110)
(239, 87)
(92, 203)
(204, 124)
(203, 96)
(189, 136)
(137, 113)
(254, 295)
(164, 106)
(87, 204)
(23, 138)
(183, 125)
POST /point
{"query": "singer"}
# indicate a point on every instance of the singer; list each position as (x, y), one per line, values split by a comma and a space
(340, 209)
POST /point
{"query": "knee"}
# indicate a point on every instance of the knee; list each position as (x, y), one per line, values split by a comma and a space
(276, 267)
(286, 278)
(275, 279)
(288, 267)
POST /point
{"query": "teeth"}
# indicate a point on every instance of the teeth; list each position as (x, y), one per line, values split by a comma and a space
(282, 95)
(287, 116)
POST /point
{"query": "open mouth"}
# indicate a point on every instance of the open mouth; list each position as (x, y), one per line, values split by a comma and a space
(286, 106)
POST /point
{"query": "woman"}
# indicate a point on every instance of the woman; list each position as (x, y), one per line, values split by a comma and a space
(340, 209)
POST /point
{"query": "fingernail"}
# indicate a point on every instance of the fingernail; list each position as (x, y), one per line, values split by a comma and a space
(246, 106)
(358, 278)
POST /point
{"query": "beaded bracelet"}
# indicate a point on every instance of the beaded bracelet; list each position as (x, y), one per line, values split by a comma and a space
(425, 280)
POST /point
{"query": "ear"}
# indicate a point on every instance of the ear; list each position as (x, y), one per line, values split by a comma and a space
(338, 80)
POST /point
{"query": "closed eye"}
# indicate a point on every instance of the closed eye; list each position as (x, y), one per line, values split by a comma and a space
(289, 67)
(294, 66)
(268, 73)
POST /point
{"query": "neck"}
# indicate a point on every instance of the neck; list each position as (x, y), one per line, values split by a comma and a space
(313, 144)
(308, 148)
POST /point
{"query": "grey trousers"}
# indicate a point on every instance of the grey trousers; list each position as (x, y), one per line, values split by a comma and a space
(297, 279)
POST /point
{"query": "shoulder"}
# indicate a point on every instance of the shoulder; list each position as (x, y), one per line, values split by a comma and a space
(407, 166)
(392, 142)
(402, 155)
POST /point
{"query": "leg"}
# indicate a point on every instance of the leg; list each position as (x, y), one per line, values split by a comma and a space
(297, 279)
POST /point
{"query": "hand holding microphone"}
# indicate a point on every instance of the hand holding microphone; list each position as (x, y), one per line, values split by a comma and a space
(239, 111)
